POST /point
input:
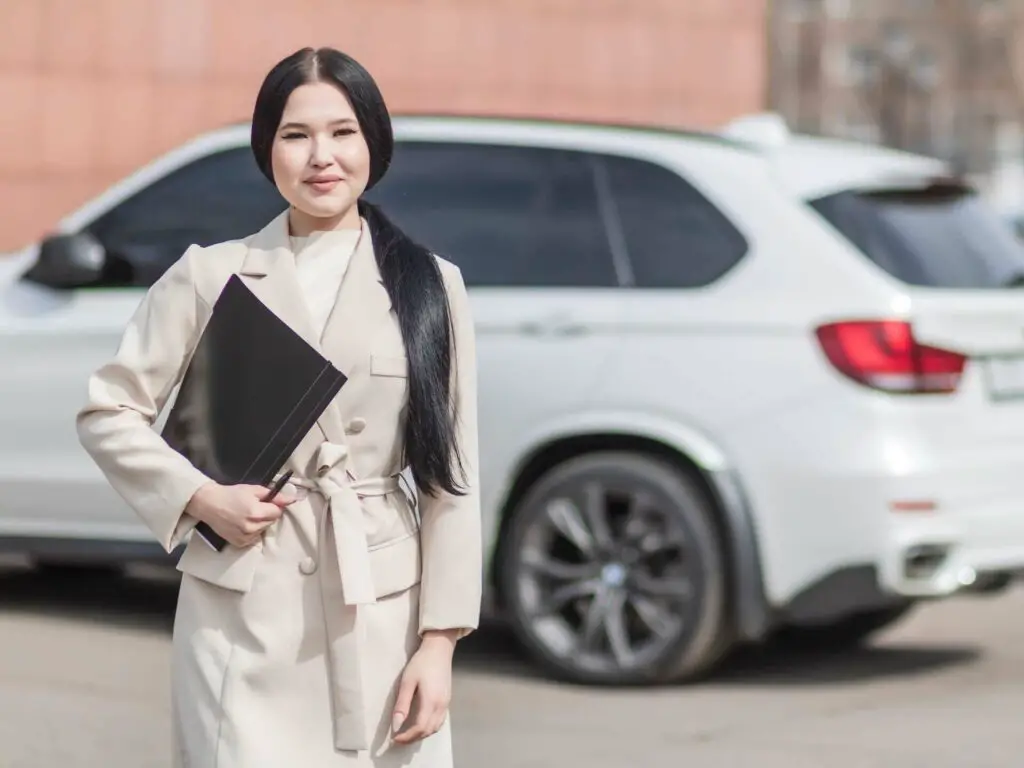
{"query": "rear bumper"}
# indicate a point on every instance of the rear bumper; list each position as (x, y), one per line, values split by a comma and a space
(830, 524)
(940, 553)
(923, 555)
(827, 471)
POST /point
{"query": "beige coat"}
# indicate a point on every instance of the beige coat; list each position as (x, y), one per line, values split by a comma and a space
(288, 653)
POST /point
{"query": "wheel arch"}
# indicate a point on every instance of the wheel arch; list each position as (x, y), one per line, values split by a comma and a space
(687, 449)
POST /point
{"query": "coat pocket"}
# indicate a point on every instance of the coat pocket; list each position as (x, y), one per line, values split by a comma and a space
(388, 365)
(395, 565)
(232, 568)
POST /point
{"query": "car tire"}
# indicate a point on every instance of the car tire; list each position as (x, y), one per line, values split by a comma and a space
(654, 568)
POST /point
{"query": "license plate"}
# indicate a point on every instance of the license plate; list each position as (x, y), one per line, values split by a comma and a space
(1006, 377)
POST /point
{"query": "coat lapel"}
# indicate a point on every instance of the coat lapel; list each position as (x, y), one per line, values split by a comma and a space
(362, 305)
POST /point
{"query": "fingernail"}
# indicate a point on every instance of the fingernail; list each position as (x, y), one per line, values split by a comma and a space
(396, 721)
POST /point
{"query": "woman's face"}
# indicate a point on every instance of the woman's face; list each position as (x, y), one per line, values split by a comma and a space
(320, 160)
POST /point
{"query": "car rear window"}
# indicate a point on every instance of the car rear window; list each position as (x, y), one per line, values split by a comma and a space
(942, 236)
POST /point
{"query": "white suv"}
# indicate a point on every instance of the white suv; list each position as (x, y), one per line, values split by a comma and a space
(726, 386)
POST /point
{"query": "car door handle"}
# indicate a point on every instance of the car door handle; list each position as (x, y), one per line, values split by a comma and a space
(553, 325)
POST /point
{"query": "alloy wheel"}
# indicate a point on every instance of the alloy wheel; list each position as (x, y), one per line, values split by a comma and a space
(609, 578)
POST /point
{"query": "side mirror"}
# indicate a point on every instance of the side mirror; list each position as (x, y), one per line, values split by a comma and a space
(68, 261)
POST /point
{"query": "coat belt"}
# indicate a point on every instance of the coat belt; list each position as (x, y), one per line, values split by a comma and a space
(346, 633)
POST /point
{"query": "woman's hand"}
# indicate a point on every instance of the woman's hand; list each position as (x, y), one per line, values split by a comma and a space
(237, 512)
(428, 675)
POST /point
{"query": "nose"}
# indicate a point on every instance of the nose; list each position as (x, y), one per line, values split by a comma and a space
(321, 155)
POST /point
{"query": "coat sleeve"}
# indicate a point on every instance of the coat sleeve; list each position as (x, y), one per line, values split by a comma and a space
(125, 396)
(451, 585)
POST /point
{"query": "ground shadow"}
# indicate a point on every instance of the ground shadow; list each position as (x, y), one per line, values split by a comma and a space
(493, 648)
(780, 664)
(146, 599)
(105, 597)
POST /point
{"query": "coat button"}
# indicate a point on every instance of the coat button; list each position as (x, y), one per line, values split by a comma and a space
(356, 426)
(308, 566)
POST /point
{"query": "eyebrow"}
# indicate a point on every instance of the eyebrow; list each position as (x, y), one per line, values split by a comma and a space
(339, 121)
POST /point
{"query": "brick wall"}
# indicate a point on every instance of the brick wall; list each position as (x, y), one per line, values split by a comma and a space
(93, 88)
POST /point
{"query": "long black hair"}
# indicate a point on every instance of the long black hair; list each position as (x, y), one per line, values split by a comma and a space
(410, 272)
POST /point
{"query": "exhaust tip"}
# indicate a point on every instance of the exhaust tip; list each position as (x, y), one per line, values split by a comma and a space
(922, 562)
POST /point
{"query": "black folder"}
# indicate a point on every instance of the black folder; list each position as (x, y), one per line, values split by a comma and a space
(251, 392)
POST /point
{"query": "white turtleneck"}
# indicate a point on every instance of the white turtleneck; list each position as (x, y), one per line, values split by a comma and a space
(321, 259)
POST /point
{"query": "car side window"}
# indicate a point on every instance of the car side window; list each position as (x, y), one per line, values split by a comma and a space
(674, 236)
(506, 215)
(222, 196)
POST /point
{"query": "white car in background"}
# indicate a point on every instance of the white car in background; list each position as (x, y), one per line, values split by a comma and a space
(728, 383)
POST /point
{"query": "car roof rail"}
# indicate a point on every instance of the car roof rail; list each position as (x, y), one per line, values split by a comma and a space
(765, 130)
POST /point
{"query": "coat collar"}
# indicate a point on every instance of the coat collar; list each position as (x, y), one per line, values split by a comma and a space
(270, 264)
(361, 305)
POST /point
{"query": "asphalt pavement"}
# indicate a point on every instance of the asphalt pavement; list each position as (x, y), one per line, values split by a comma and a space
(84, 684)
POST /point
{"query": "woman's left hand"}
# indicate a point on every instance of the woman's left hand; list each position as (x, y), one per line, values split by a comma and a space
(428, 676)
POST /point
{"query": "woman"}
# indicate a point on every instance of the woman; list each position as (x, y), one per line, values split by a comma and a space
(323, 635)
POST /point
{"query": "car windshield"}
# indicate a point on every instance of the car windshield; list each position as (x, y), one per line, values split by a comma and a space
(942, 236)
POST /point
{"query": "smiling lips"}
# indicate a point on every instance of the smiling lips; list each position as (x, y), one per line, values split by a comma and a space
(323, 183)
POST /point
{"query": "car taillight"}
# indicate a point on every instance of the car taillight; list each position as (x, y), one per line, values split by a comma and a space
(883, 354)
